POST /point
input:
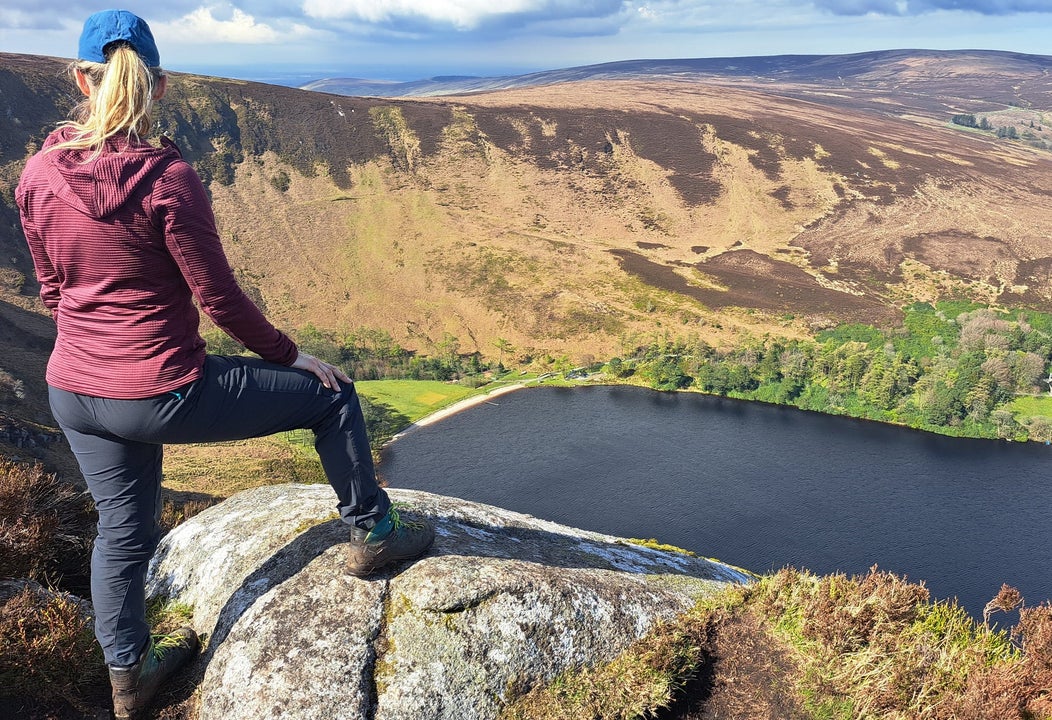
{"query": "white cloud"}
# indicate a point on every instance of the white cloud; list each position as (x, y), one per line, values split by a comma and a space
(460, 14)
(213, 24)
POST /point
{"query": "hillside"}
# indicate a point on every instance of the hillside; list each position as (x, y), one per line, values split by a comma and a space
(935, 80)
(581, 218)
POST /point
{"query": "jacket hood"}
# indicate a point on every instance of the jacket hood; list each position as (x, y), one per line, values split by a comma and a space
(102, 184)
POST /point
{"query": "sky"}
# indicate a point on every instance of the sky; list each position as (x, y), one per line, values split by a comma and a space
(412, 39)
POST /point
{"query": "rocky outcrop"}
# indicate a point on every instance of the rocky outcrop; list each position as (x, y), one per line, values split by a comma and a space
(502, 602)
(24, 436)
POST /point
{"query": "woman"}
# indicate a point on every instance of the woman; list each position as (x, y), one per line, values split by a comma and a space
(123, 240)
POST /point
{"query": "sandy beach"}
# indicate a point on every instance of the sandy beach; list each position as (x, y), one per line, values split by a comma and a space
(457, 407)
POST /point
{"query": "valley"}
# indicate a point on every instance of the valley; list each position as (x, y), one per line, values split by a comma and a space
(617, 208)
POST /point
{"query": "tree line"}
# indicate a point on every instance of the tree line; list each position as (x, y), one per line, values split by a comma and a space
(368, 354)
(951, 369)
(1009, 132)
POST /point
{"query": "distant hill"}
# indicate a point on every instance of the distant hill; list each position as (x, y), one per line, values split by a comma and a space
(607, 206)
(1006, 77)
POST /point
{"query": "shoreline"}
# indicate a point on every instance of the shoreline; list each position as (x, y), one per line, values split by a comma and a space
(455, 408)
(474, 400)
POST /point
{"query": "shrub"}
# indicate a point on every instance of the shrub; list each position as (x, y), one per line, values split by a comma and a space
(49, 659)
(281, 182)
(46, 525)
(876, 641)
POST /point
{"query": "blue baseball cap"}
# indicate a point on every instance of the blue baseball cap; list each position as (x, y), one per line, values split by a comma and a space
(108, 26)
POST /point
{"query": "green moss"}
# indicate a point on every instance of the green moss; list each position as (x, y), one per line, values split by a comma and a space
(311, 522)
(385, 647)
(653, 544)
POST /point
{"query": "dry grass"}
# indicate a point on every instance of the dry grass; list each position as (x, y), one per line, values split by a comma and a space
(504, 229)
(874, 647)
(220, 469)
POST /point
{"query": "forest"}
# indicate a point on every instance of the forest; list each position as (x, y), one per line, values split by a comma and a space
(952, 368)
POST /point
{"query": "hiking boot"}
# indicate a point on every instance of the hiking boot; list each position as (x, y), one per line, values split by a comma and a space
(392, 539)
(135, 686)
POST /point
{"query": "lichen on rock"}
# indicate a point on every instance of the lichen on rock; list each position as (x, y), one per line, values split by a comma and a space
(502, 602)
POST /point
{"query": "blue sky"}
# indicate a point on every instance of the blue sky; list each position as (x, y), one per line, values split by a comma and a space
(411, 39)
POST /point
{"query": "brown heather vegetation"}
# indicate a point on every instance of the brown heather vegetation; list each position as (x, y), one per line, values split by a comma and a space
(46, 526)
(50, 664)
(794, 646)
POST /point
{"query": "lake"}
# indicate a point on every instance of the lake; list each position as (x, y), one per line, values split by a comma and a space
(754, 485)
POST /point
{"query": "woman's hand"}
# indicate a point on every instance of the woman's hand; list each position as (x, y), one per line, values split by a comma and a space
(330, 375)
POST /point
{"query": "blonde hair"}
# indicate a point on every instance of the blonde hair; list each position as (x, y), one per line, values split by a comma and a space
(121, 100)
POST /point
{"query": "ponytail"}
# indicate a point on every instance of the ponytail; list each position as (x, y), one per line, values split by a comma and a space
(121, 100)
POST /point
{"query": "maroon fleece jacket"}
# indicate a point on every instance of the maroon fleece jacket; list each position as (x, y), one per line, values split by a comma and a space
(123, 244)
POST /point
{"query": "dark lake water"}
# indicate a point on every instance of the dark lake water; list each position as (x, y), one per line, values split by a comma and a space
(753, 485)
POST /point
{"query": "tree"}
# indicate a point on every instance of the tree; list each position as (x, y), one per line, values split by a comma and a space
(1028, 369)
(666, 374)
(724, 377)
(980, 399)
(503, 346)
(793, 363)
(322, 344)
(939, 404)
(1005, 421)
(1040, 429)
(449, 346)
(851, 361)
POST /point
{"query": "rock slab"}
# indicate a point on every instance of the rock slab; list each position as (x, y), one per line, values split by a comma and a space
(502, 602)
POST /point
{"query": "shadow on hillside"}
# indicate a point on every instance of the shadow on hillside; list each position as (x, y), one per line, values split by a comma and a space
(27, 339)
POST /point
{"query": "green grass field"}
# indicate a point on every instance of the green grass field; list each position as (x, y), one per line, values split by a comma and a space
(1031, 406)
(414, 398)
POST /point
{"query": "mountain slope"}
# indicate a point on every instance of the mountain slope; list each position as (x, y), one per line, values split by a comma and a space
(582, 218)
(930, 76)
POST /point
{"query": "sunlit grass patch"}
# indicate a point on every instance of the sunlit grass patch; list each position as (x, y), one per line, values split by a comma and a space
(643, 679)
(1031, 406)
(414, 398)
(221, 469)
(653, 544)
(876, 643)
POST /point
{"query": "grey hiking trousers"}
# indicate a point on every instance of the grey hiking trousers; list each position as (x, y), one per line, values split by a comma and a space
(119, 444)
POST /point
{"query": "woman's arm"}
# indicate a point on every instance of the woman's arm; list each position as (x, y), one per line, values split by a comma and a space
(46, 273)
(193, 241)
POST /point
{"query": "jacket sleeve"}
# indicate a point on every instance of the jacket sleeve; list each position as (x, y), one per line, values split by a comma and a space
(46, 274)
(193, 241)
